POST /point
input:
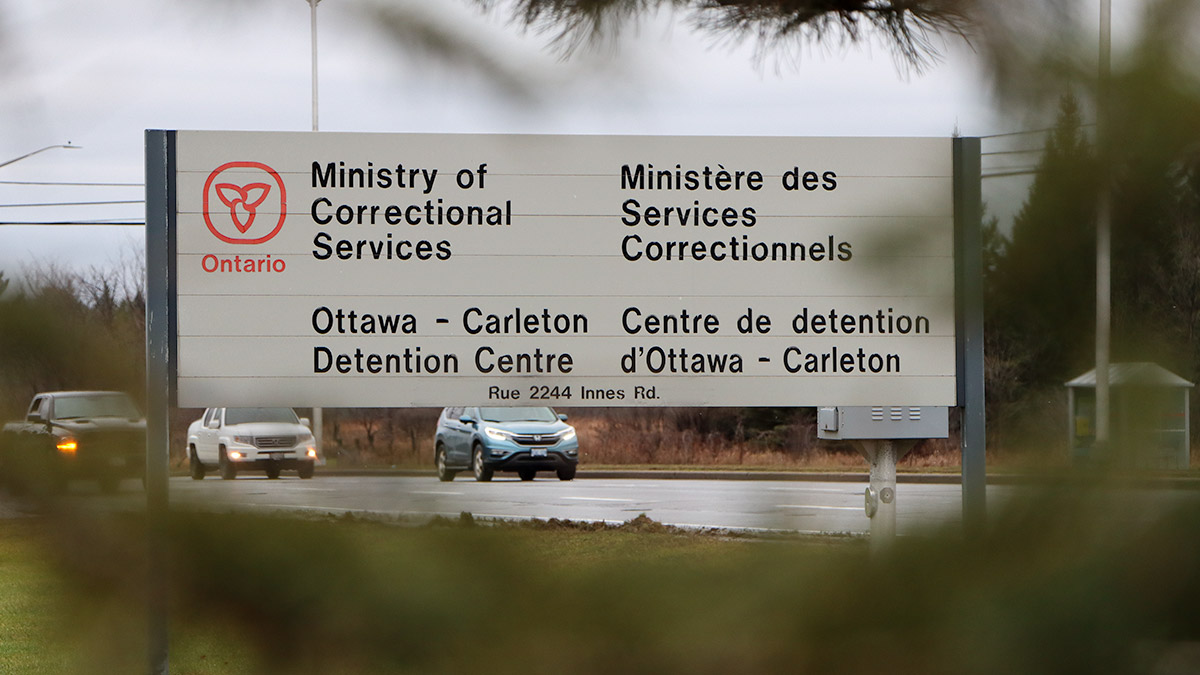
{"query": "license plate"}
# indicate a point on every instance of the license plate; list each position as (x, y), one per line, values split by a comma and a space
(538, 452)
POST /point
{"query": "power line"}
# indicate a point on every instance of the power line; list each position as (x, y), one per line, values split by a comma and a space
(100, 203)
(1005, 174)
(1011, 166)
(69, 183)
(73, 223)
(1031, 131)
(1011, 152)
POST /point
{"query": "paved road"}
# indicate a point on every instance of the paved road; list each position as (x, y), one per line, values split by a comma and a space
(785, 505)
(774, 505)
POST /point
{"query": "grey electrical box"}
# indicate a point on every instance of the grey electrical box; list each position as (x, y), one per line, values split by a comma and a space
(883, 422)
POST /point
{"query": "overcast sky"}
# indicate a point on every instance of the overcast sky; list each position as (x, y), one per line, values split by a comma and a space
(97, 74)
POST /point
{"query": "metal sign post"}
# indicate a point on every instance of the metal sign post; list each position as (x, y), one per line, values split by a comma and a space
(883, 434)
(160, 373)
(880, 495)
(968, 234)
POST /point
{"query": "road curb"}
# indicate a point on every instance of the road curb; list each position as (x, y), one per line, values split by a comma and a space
(835, 477)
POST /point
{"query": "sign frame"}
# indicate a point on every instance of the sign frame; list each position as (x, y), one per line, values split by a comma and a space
(885, 187)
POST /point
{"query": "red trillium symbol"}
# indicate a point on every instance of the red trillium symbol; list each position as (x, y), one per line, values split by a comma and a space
(243, 201)
(246, 190)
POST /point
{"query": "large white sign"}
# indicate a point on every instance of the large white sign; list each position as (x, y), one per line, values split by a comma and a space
(389, 270)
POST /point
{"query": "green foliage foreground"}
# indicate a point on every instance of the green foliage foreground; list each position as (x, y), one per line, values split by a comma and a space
(1055, 586)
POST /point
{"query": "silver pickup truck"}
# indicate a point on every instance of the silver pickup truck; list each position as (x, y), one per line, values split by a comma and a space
(99, 435)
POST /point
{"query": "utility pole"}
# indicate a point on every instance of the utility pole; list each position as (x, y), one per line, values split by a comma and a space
(318, 414)
(312, 6)
(1103, 234)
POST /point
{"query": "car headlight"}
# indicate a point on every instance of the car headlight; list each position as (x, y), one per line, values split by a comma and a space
(567, 435)
(304, 438)
(497, 434)
(244, 440)
(67, 446)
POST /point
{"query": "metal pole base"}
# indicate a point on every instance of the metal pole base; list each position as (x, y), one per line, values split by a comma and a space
(880, 498)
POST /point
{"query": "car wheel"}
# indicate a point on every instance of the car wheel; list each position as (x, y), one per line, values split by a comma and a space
(196, 466)
(273, 472)
(566, 474)
(306, 470)
(526, 474)
(483, 473)
(228, 470)
(444, 474)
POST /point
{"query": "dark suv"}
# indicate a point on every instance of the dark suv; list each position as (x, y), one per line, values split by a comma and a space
(485, 440)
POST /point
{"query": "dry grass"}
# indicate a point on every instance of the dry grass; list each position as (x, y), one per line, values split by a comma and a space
(680, 437)
(669, 437)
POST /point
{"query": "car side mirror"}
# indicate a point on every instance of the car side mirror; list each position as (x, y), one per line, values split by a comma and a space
(562, 416)
(467, 419)
(34, 417)
(214, 424)
(306, 422)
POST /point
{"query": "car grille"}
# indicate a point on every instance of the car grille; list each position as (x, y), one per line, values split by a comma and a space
(535, 439)
(131, 443)
(274, 441)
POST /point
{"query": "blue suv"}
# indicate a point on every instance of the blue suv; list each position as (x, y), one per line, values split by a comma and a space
(486, 440)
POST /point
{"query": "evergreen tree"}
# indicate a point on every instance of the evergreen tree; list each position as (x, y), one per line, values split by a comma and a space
(1043, 295)
(779, 27)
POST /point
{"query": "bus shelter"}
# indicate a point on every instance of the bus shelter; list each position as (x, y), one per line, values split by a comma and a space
(1150, 417)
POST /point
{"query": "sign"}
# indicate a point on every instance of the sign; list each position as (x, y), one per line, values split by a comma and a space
(392, 270)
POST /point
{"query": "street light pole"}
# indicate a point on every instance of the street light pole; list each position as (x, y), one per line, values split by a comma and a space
(318, 414)
(1103, 234)
(312, 6)
(68, 146)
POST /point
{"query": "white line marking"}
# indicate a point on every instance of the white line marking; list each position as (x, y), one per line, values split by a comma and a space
(835, 491)
(298, 507)
(820, 508)
(434, 492)
(599, 499)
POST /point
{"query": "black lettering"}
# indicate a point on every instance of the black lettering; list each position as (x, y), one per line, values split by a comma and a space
(320, 220)
(633, 179)
(322, 179)
(322, 359)
(630, 208)
(323, 250)
(322, 316)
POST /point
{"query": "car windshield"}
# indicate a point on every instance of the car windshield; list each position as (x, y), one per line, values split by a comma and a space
(518, 415)
(248, 415)
(95, 405)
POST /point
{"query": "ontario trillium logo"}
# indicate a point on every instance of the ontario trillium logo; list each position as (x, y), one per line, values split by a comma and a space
(244, 202)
